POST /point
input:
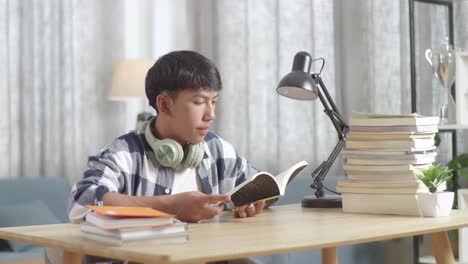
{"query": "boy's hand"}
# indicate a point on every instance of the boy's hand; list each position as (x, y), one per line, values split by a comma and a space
(193, 206)
(249, 210)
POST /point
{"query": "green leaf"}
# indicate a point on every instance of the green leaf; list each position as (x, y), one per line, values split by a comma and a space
(434, 175)
(437, 140)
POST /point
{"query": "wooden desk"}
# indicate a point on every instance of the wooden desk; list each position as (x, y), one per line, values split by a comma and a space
(277, 230)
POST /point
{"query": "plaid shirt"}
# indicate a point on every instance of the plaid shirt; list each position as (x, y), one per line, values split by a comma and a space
(128, 166)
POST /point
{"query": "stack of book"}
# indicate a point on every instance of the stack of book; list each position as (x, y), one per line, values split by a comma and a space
(383, 155)
(117, 225)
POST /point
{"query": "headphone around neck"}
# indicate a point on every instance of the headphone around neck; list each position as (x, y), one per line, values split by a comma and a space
(169, 153)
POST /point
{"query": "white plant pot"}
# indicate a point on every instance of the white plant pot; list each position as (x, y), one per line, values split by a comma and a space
(435, 204)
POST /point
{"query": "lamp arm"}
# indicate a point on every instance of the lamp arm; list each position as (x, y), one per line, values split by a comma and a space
(341, 128)
(320, 173)
(330, 108)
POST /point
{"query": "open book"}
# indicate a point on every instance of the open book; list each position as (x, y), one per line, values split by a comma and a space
(264, 186)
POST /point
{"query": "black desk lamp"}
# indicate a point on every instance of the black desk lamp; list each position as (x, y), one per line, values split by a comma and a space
(299, 84)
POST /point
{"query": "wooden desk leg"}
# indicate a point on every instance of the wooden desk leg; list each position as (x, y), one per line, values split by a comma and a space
(330, 255)
(441, 248)
(72, 257)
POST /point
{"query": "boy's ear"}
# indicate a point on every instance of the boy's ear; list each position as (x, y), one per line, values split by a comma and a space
(164, 103)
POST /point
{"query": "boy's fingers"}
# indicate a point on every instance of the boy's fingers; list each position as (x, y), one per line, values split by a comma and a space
(210, 212)
(215, 198)
(259, 206)
(242, 213)
(250, 210)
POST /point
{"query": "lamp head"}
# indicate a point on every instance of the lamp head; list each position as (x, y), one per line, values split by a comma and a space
(128, 80)
(298, 84)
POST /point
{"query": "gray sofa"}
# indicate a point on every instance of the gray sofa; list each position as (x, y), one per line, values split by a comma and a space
(30, 201)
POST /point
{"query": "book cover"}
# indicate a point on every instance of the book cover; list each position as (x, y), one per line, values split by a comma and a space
(382, 187)
(175, 229)
(387, 153)
(381, 184)
(139, 242)
(263, 185)
(395, 129)
(420, 143)
(389, 161)
(114, 222)
(385, 168)
(378, 177)
(387, 136)
(128, 211)
(374, 119)
(397, 204)
(381, 190)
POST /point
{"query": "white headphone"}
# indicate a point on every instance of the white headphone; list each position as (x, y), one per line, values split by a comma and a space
(169, 153)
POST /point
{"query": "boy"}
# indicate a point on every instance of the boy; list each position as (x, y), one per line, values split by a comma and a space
(174, 163)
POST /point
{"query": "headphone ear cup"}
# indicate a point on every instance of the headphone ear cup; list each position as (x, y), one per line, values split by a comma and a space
(168, 153)
(193, 156)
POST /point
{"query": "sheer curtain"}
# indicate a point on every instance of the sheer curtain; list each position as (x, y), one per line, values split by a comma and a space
(57, 57)
(56, 60)
(365, 46)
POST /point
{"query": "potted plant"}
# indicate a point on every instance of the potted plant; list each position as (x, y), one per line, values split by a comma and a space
(435, 203)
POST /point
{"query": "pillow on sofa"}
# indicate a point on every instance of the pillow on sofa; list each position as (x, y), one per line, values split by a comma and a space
(24, 214)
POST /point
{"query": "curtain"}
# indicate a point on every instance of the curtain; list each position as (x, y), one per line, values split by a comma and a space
(366, 69)
(56, 60)
(57, 57)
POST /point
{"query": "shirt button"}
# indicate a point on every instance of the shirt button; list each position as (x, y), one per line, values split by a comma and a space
(167, 191)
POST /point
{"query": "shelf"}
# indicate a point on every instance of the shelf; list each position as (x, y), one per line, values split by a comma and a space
(461, 86)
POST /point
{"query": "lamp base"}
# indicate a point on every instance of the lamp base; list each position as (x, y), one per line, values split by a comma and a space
(327, 201)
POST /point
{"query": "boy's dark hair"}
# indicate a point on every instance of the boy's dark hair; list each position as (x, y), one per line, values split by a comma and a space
(179, 70)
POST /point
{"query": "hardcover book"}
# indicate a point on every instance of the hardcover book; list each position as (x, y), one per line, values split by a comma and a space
(399, 204)
(176, 229)
(138, 242)
(372, 119)
(420, 143)
(113, 217)
(385, 168)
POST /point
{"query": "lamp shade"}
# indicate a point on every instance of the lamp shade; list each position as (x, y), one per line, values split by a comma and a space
(298, 84)
(128, 80)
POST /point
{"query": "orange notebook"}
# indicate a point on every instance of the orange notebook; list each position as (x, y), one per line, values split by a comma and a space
(128, 211)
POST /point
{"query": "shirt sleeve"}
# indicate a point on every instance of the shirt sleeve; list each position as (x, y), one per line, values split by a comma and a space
(104, 174)
(232, 169)
(243, 170)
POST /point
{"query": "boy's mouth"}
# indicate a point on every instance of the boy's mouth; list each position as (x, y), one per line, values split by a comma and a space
(203, 130)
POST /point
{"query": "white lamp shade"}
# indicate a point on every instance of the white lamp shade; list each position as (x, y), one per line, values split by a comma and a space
(128, 81)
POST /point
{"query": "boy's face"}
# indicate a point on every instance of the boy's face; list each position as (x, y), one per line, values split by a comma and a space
(192, 113)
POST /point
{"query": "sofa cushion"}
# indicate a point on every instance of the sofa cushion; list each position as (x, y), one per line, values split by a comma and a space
(53, 191)
(24, 214)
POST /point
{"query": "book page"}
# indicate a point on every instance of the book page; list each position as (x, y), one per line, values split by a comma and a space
(288, 175)
(263, 185)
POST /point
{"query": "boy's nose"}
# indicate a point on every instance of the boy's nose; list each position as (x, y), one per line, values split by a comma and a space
(210, 114)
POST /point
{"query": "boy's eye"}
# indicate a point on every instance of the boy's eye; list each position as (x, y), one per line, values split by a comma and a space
(199, 103)
(214, 102)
